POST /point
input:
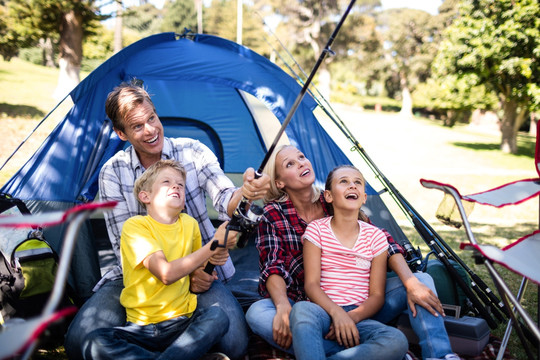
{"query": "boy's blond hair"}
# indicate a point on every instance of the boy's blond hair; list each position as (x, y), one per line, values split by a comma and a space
(147, 179)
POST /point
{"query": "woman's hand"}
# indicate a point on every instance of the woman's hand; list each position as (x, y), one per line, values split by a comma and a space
(419, 293)
(343, 330)
(281, 327)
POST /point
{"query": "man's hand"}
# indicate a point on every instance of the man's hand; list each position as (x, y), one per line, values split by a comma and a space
(254, 189)
(200, 281)
(418, 293)
(231, 235)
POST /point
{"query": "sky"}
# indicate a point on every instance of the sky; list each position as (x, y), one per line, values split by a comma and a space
(430, 6)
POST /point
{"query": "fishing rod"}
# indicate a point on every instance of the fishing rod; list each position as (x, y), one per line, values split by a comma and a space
(436, 243)
(247, 215)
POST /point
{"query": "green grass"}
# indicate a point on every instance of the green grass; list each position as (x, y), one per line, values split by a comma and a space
(417, 148)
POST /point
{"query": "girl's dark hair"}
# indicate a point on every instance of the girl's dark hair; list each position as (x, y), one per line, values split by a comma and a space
(330, 177)
(328, 186)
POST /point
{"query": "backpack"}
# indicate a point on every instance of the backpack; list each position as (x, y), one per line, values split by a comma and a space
(28, 267)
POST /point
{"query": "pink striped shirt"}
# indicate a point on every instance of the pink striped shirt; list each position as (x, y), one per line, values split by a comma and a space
(345, 272)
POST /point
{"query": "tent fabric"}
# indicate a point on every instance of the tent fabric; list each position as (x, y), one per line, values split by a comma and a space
(198, 85)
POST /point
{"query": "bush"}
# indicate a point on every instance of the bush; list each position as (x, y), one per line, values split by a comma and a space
(33, 55)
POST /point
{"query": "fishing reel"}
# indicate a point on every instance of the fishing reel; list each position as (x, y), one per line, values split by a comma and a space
(245, 219)
(413, 257)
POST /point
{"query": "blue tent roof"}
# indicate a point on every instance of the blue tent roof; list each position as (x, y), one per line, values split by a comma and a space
(196, 83)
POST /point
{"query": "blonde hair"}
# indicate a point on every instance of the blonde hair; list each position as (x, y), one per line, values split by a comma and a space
(147, 179)
(275, 193)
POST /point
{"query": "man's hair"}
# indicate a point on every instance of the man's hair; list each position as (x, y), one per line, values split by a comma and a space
(124, 98)
(147, 179)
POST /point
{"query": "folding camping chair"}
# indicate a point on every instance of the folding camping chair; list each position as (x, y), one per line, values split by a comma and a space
(18, 339)
(521, 256)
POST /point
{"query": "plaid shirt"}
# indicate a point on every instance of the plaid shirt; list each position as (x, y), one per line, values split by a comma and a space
(280, 247)
(203, 175)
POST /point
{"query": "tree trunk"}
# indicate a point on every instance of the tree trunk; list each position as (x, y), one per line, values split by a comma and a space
(324, 82)
(406, 99)
(508, 127)
(47, 51)
(118, 27)
(71, 36)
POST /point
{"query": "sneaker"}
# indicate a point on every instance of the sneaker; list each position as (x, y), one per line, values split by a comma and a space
(214, 356)
(452, 357)
(448, 357)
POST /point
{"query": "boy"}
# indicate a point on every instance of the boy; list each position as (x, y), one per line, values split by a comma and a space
(158, 253)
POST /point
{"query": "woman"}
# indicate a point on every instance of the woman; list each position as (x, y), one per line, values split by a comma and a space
(292, 202)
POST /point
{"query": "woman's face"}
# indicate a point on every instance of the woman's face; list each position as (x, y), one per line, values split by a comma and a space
(293, 170)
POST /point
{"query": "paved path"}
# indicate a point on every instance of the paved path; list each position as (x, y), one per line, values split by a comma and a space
(406, 150)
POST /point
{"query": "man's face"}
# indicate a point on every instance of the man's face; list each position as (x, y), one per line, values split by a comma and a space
(143, 129)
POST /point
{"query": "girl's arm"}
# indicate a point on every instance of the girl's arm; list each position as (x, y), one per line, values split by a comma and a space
(281, 330)
(377, 283)
(343, 328)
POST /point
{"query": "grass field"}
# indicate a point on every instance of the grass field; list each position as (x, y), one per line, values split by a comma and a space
(405, 150)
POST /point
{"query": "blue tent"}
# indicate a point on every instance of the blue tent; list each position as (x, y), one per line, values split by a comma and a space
(203, 87)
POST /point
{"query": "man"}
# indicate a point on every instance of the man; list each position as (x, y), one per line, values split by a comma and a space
(135, 120)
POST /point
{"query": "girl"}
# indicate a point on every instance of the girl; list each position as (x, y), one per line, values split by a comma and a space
(345, 273)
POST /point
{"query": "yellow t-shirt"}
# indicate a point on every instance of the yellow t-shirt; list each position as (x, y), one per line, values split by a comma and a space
(146, 299)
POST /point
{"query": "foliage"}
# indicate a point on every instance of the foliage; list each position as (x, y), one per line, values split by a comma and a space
(33, 55)
(453, 97)
(496, 43)
(221, 19)
(31, 20)
(409, 36)
(8, 38)
(178, 15)
(145, 19)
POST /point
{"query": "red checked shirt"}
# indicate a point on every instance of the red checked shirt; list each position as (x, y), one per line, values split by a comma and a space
(280, 247)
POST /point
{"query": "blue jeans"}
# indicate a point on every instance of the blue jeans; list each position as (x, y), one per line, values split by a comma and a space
(260, 316)
(181, 338)
(310, 323)
(103, 310)
(432, 335)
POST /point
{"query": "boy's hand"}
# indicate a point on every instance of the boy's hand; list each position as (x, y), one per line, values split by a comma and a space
(219, 257)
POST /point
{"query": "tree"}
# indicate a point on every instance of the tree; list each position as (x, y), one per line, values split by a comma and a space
(65, 21)
(179, 15)
(496, 43)
(145, 19)
(221, 19)
(309, 24)
(410, 39)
